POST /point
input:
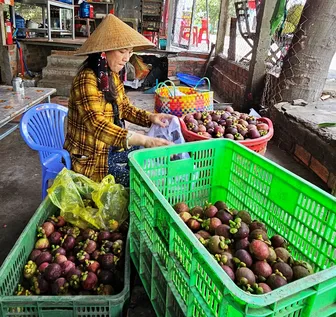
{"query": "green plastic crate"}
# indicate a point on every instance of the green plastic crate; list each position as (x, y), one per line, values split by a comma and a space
(52, 306)
(181, 277)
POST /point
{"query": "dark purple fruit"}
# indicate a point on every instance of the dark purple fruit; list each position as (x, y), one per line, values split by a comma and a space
(116, 236)
(226, 258)
(39, 285)
(95, 255)
(244, 257)
(103, 235)
(89, 280)
(59, 287)
(106, 246)
(210, 211)
(55, 238)
(220, 205)
(224, 216)
(105, 290)
(107, 261)
(204, 234)
(229, 136)
(197, 211)
(82, 256)
(253, 134)
(245, 276)
(213, 224)
(258, 234)
(181, 207)
(193, 224)
(272, 255)
(73, 277)
(242, 244)
(285, 269)
(262, 269)
(60, 222)
(278, 241)
(282, 254)
(228, 271)
(43, 257)
(89, 234)
(66, 267)
(92, 266)
(52, 272)
(242, 232)
(257, 225)
(223, 230)
(89, 246)
(301, 269)
(34, 254)
(47, 228)
(259, 249)
(58, 250)
(68, 243)
(59, 258)
(276, 280)
(43, 266)
(105, 277)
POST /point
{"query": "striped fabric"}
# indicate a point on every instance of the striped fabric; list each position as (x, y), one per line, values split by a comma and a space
(90, 128)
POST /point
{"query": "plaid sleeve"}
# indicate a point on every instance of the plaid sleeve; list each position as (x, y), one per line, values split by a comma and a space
(128, 111)
(93, 113)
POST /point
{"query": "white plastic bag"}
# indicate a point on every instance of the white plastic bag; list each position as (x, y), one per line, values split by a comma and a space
(172, 133)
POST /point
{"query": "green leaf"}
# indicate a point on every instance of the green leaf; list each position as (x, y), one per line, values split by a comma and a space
(326, 125)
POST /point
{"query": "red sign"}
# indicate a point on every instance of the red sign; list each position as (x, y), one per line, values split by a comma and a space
(10, 2)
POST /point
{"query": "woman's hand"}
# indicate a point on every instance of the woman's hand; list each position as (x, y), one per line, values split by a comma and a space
(154, 142)
(161, 119)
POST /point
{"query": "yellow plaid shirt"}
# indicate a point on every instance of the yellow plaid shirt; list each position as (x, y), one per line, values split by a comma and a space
(90, 128)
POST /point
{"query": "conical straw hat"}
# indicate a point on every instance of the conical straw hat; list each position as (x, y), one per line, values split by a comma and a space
(113, 34)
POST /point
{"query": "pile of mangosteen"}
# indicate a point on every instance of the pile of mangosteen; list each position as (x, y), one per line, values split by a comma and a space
(67, 260)
(256, 262)
(227, 123)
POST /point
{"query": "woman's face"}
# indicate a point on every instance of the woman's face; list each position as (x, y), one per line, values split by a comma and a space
(117, 59)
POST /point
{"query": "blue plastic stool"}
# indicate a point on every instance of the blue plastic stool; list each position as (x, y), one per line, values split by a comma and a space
(42, 128)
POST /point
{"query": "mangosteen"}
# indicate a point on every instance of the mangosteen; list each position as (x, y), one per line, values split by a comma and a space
(42, 243)
(52, 272)
(278, 241)
(73, 277)
(219, 131)
(242, 232)
(285, 269)
(46, 229)
(272, 255)
(282, 254)
(58, 250)
(226, 258)
(66, 267)
(201, 128)
(34, 254)
(59, 258)
(223, 230)
(30, 269)
(89, 280)
(242, 244)
(224, 216)
(70, 231)
(301, 269)
(210, 211)
(107, 261)
(220, 205)
(255, 224)
(188, 117)
(211, 224)
(105, 276)
(103, 235)
(89, 234)
(204, 234)
(238, 137)
(39, 285)
(231, 130)
(258, 234)
(243, 256)
(244, 276)
(259, 249)
(197, 115)
(253, 134)
(244, 216)
(43, 266)
(197, 211)
(95, 255)
(228, 271)
(68, 242)
(55, 238)
(262, 288)
(229, 136)
(106, 246)
(105, 290)
(82, 256)
(262, 270)
(193, 224)
(117, 247)
(59, 286)
(185, 216)
(92, 266)
(89, 246)
(43, 257)
(116, 236)
(217, 244)
(276, 280)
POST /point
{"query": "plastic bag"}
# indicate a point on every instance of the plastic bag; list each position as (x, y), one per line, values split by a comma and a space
(172, 133)
(141, 69)
(85, 203)
(130, 71)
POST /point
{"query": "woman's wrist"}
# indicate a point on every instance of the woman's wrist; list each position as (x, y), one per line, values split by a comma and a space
(134, 138)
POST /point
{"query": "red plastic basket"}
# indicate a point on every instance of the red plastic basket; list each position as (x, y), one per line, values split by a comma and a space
(257, 145)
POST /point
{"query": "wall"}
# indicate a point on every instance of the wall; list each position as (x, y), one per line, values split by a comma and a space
(8, 63)
(229, 80)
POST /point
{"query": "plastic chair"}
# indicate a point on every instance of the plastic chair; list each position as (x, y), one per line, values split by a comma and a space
(42, 128)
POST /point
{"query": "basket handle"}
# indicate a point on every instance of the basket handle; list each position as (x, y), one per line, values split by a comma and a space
(172, 92)
(207, 79)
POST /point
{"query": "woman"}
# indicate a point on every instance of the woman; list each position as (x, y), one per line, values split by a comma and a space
(98, 105)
